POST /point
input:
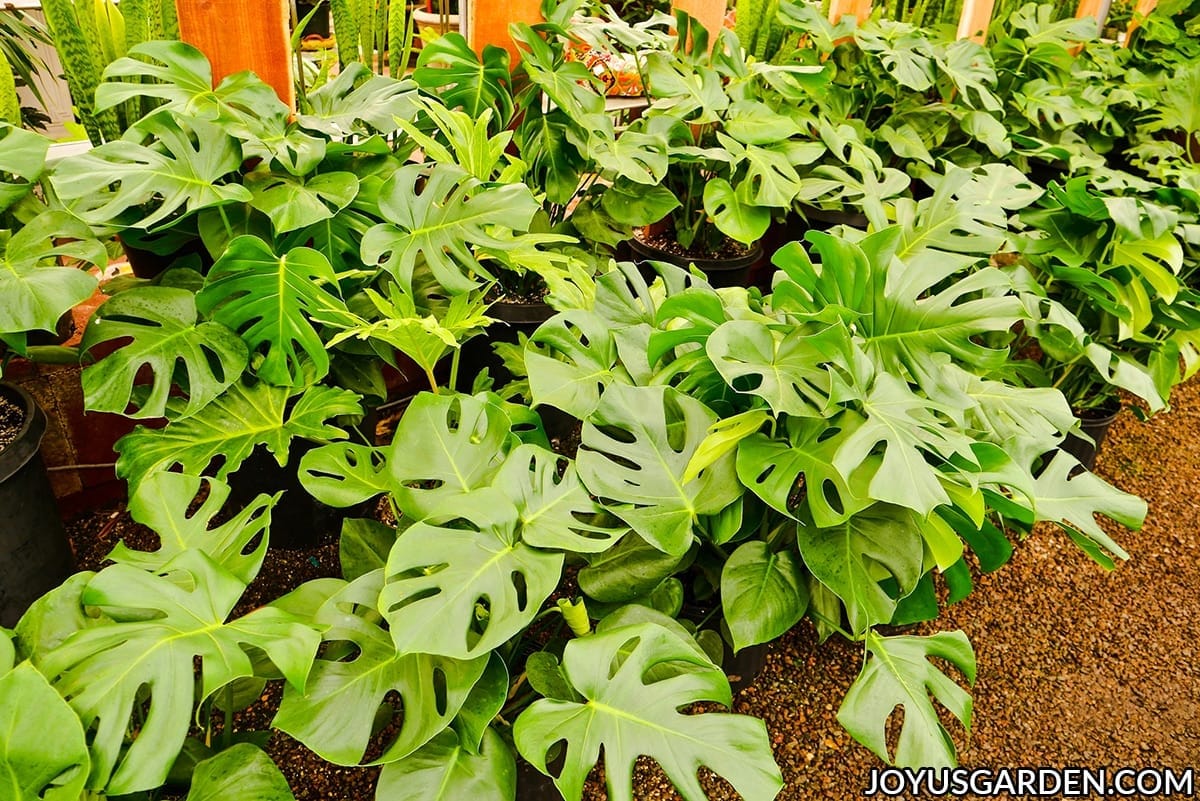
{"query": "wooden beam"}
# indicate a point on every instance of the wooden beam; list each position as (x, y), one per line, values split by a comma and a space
(975, 18)
(859, 9)
(709, 13)
(488, 21)
(239, 35)
(1096, 9)
(1140, 12)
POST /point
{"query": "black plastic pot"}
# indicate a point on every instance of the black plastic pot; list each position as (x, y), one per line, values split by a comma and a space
(319, 24)
(298, 520)
(512, 319)
(823, 219)
(720, 272)
(35, 556)
(1095, 424)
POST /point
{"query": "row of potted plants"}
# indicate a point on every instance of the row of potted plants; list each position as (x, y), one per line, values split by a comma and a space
(831, 447)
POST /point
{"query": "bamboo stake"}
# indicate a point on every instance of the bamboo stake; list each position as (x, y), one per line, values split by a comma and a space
(239, 35)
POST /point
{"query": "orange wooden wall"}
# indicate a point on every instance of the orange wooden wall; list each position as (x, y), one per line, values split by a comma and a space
(241, 35)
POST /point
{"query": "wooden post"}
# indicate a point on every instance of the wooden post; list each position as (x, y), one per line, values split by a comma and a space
(241, 35)
(975, 18)
(1096, 9)
(488, 21)
(1140, 12)
(859, 9)
(709, 13)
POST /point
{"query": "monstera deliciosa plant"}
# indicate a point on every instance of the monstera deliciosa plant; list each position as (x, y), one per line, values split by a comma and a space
(324, 252)
(825, 450)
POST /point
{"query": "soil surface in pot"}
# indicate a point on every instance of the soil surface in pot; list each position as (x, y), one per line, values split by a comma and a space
(12, 417)
(1077, 666)
(665, 242)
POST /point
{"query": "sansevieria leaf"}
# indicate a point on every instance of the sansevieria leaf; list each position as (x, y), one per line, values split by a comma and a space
(272, 300)
(231, 426)
(163, 335)
(160, 624)
(626, 717)
(334, 714)
(897, 673)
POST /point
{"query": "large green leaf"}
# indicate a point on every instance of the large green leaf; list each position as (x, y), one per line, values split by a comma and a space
(849, 559)
(554, 507)
(443, 770)
(243, 772)
(164, 503)
(163, 335)
(450, 68)
(298, 202)
(43, 756)
(438, 215)
(763, 593)
(464, 584)
(34, 289)
(636, 450)
(344, 474)
(356, 102)
(181, 75)
(460, 440)
(178, 173)
(745, 222)
(335, 713)
(905, 427)
(628, 718)
(231, 426)
(897, 673)
(571, 358)
(272, 301)
(1072, 501)
(773, 468)
(161, 623)
(789, 368)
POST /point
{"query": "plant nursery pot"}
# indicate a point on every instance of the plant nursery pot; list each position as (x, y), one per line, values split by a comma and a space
(824, 219)
(298, 520)
(1095, 424)
(319, 24)
(148, 264)
(720, 272)
(35, 556)
(512, 319)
